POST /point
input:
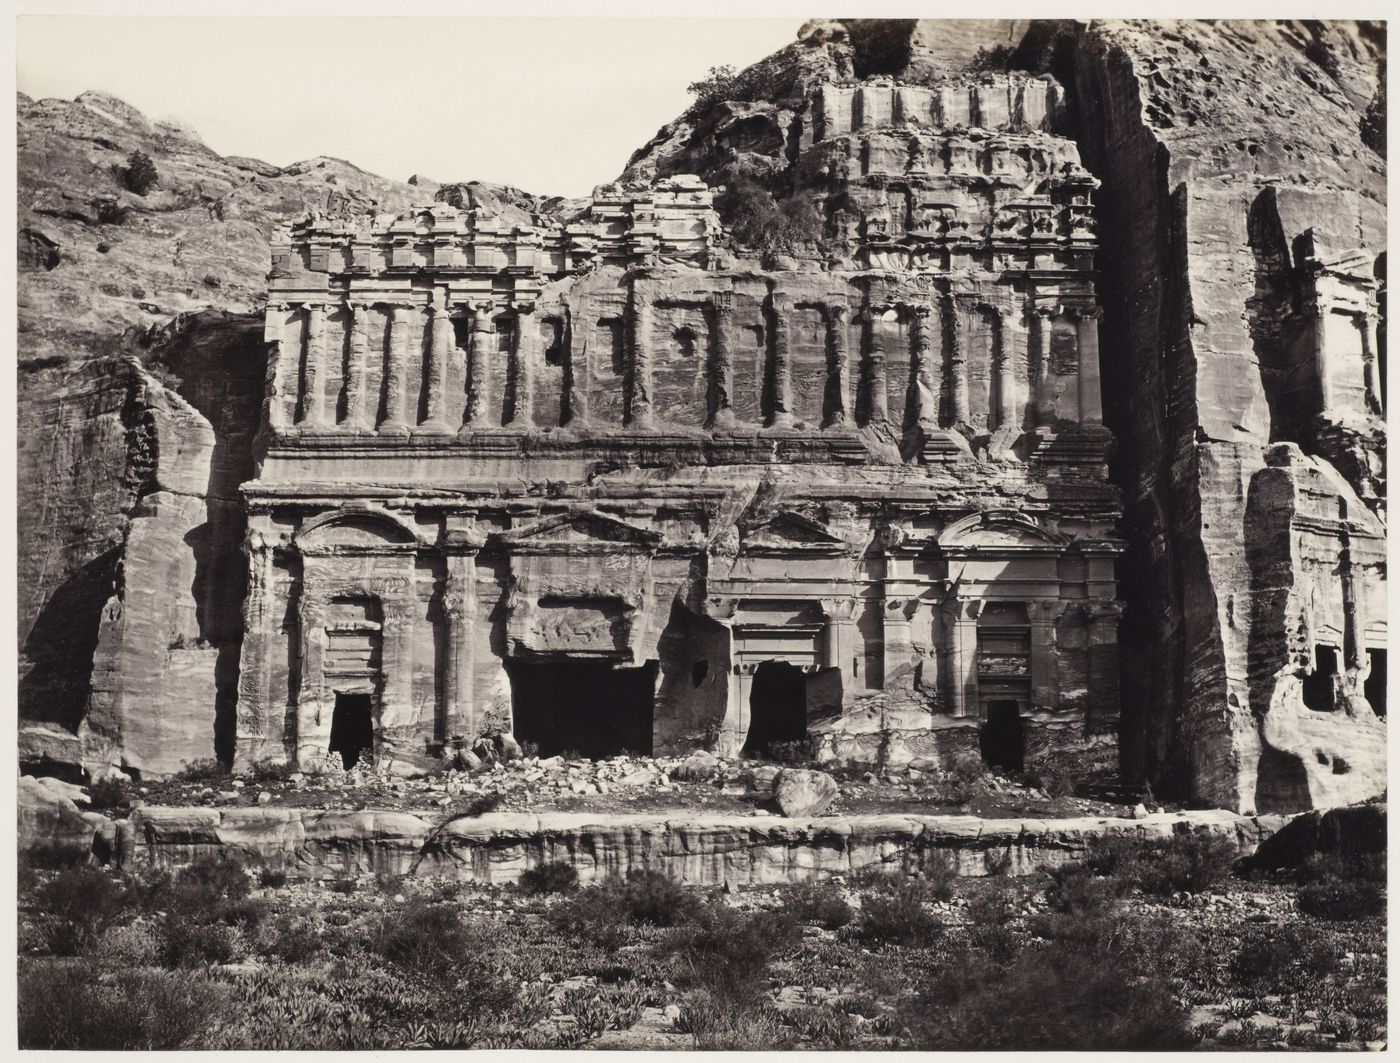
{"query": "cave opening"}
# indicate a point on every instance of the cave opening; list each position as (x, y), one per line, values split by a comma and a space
(1002, 740)
(1374, 688)
(1319, 691)
(352, 728)
(777, 708)
(584, 707)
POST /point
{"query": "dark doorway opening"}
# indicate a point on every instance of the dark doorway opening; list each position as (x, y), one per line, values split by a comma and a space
(581, 706)
(1002, 740)
(1374, 688)
(777, 707)
(352, 728)
(1319, 692)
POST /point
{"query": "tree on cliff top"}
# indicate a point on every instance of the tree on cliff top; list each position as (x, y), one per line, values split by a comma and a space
(140, 174)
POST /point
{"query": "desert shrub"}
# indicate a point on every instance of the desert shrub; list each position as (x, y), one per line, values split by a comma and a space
(820, 904)
(552, 876)
(988, 917)
(79, 904)
(343, 886)
(424, 937)
(650, 897)
(1161, 946)
(202, 771)
(110, 212)
(793, 751)
(107, 794)
(51, 856)
(1355, 867)
(1054, 781)
(1341, 900)
(65, 1006)
(1075, 889)
(759, 221)
(291, 938)
(715, 1028)
(1189, 862)
(956, 783)
(266, 771)
(1287, 956)
(727, 952)
(483, 803)
(1053, 997)
(219, 878)
(272, 878)
(897, 916)
(140, 174)
(602, 913)
(136, 944)
(1113, 854)
(186, 943)
(716, 86)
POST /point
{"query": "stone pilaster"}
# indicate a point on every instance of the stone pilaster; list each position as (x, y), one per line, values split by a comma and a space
(957, 362)
(396, 708)
(925, 369)
(722, 383)
(313, 383)
(1375, 400)
(481, 340)
(1325, 396)
(960, 617)
(280, 367)
(840, 641)
(357, 413)
(875, 356)
(1045, 617)
(254, 696)
(395, 386)
(734, 731)
(1104, 698)
(441, 340)
(1008, 399)
(1042, 324)
(782, 310)
(836, 315)
(459, 606)
(1090, 387)
(641, 330)
(524, 361)
(313, 715)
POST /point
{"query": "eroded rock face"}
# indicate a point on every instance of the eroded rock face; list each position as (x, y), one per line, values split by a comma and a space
(816, 384)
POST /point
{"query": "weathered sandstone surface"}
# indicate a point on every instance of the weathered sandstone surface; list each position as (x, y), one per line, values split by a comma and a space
(854, 369)
(695, 849)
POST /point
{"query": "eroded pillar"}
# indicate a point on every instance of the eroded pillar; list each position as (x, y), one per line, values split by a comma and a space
(957, 363)
(441, 340)
(782, 362)
(524, 357)
(1090, 387)
(642, 331)
(960, 616)
(395, 386)
(459, 606)
(841, 362)
(879, 396)
(722, 305)
(1104, 699)
(481, 339)
(254, 713)
(313, 386)
(1042, 325)
(1045, 617)
(280, 367)
(357, 412)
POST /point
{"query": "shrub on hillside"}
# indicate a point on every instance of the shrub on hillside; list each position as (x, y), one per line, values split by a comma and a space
(1189, 862)
(107, 794)
(63, 1005)
(424, 937)
(79, 904)
(1341, 900)
(758, 220)
(140, 174)
(820, 904)
(727, 953)
(202, 771)
(897, 915)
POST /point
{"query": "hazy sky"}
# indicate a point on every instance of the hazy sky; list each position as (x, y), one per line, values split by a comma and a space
(550, 105)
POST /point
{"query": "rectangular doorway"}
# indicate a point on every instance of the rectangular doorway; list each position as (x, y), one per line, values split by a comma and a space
(582, 706)
(352, 727)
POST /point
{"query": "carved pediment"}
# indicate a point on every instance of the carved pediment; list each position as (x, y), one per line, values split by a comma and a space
(579, 531)
(789, 533)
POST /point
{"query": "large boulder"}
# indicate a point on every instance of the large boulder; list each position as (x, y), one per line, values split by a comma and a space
(804, 792)
(50, 820)
(1350, 832)
(698, 766)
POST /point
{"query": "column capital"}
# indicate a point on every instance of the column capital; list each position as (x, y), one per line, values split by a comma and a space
(1099, 612)
(964, 609)
(1047, 311)
(838, 608)
(1046, 611)
(279, 306)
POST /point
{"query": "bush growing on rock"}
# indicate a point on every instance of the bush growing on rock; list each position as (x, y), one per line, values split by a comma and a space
(140, 174)
(552, 876)
(108, 794)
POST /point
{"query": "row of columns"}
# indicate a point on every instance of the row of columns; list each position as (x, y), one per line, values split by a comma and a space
(1370, 365)
(307, 377)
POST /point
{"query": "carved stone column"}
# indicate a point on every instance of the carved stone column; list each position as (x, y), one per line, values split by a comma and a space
(641, 329)
(1045, 617)
(1326, 397)
(459, 607)
(1008, 401)
(313, 385)
(840, 641)
(441, 340)
(961, 616)
(1042, 324)
(280, 367)
(482, 338)
(875, 378)
(254, 696)
(734, 731)
(357, 414)
(1104, 699)
(396, 709)
(722, 416)
(782, 309)
(395, 387)
(313, 716)
(524, 357)
(1090, 387)
(840, 362)
(925, 387)
(957, 362)
(1375, 399)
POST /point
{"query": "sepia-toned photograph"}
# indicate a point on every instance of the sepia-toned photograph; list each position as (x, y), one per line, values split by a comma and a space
(700, 533)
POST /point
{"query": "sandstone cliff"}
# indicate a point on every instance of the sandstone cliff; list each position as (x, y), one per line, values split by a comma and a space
(1241, 220)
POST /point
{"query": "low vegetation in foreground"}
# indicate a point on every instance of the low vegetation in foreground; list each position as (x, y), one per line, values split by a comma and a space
(1131, 948)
